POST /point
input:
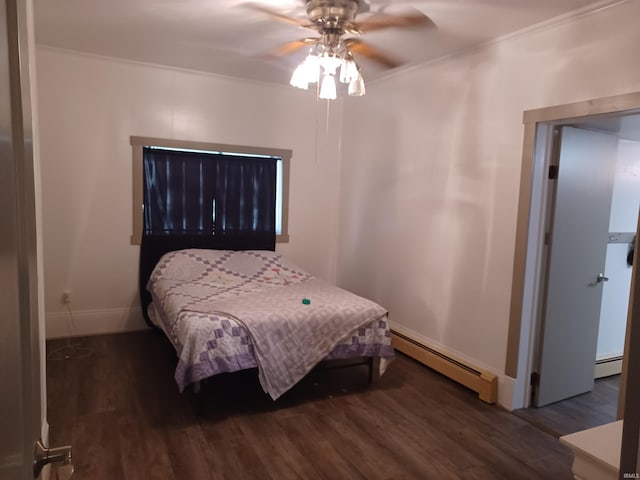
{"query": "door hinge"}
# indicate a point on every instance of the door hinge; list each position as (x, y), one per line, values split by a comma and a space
(535, 379)
(535, 383)
(553, 172)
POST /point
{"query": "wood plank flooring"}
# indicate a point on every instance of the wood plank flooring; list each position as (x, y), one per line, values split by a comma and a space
(121, 411)
(581, 412)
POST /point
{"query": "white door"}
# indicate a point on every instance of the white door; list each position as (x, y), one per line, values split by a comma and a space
(575, 272)
(20, 376)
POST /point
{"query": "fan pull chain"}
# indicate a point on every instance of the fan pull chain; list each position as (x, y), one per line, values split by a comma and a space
(326, 128)
(317, 122)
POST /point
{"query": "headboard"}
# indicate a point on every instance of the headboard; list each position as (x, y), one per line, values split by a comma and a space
(154, 246)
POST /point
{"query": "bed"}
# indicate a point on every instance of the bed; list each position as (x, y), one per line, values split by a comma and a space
(226, 310)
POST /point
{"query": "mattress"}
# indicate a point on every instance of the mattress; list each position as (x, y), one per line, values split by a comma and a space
(225, 311)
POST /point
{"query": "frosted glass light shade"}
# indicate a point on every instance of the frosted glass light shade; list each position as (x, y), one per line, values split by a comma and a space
(348, 71)
(330, 63)
(328, 88)
(321, 65)
(305, 73)
(299, 78)
(312, 68)
(356, 87)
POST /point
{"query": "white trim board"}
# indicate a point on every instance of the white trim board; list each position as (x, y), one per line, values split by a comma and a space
(172, 68)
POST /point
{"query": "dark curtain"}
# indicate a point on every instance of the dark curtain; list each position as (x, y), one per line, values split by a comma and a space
(188, 193)
(243, 186)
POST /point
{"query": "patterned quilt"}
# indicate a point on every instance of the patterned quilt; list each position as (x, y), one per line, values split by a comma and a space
(226, 311)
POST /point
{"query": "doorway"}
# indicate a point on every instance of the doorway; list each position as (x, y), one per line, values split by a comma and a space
(611, 116)
(593, 191)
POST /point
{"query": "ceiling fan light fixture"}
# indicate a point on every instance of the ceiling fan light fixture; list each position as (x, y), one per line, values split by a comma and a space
(326, 65)
(328, 88)
(330, 63)
(356, 86)
(312, 67)
(299, 78)
(348, 70)
(338, 30)
(307, 72)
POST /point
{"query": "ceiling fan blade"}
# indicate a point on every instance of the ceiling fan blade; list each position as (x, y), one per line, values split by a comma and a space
(357, 46)
(291, 47)
(273, 13)
(380, 21)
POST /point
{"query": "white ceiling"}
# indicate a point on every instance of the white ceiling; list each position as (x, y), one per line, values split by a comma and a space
(625, 125)
(223, 37)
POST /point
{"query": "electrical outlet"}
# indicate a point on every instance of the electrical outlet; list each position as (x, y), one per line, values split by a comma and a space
(66, 297)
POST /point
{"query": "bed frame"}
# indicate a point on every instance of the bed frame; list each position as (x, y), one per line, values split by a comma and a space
(153, 247)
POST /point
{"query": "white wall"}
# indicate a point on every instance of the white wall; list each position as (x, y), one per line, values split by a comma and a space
(429, 202)
(624, 218)
(88, 109)
(626, 189)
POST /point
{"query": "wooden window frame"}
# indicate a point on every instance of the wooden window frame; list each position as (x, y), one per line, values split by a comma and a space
(137, 144)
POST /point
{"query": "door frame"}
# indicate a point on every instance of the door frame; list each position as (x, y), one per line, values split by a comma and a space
(529, 254)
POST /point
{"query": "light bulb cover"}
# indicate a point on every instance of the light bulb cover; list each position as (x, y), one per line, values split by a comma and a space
(299, 78)
(348, 70)
(330, 63)
(327, 62)
(356, 86)
(307, 72)
(328, 88)
(312, 68)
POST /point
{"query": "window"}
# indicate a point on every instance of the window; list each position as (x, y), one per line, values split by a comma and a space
(198, 167)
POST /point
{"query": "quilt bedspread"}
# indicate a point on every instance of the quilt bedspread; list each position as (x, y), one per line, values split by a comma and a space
(227, 311)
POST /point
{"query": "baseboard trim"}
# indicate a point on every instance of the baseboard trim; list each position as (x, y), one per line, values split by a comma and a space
(605, 367)
(480, 381)
(80, 323)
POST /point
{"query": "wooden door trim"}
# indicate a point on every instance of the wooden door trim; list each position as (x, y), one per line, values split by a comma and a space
(560, 114)
(630, 392)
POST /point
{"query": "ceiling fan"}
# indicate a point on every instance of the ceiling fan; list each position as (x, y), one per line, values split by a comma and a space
(338, 39)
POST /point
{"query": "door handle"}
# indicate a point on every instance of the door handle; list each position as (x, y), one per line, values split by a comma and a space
(43, 456)
(601, 278)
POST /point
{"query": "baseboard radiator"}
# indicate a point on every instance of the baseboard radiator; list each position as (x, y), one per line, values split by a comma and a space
(482, 382)
(605, 367)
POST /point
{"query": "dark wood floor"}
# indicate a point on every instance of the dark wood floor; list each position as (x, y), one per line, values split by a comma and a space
(584, 411)
(121, 411)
